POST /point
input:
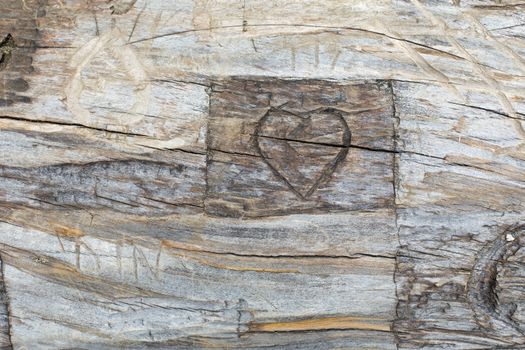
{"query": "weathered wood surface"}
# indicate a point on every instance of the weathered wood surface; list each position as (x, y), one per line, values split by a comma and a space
(249, 174)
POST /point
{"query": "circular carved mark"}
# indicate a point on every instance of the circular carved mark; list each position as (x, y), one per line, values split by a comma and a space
(483, 291)
(303, 149)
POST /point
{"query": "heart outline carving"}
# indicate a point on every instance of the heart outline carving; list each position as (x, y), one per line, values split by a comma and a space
(329, 168)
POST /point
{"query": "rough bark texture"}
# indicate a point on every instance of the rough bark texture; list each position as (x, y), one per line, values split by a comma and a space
(198, 174)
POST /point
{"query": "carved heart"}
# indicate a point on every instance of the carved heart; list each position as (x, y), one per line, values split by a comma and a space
(303, 150)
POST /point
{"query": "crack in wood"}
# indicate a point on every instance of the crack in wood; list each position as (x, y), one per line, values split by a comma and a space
(5, 321)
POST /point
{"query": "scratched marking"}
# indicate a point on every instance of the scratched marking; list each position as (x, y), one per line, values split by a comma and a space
(127, 60)
(493, 86)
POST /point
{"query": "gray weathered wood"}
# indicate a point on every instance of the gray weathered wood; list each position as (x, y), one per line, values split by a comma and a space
(249, 174)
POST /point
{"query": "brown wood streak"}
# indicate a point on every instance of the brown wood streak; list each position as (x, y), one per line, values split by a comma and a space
(327, 323)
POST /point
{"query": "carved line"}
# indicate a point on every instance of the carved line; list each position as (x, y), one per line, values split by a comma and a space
(493, 85)
(481, 286)
(328, 170)
(130, 63)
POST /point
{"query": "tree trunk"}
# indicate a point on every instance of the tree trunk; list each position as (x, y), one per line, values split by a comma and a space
(253, 174)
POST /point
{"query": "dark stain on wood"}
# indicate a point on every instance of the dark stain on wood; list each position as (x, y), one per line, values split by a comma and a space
(278, 147)
(19, 24)
(6, 47)
(130, 186)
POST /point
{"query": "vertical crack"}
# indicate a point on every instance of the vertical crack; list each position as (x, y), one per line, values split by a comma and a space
(395, 155)
(5, 324)
(208, 148)
(395, 183)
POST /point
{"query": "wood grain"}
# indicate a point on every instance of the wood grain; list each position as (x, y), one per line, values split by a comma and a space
(200, 174)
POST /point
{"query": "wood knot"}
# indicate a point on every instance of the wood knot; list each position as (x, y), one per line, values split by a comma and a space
(495, 307)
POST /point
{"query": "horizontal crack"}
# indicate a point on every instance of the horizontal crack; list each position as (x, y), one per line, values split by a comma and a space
(181, 82)
(183, 150)
(287, 256)
(303, 141)
(234, 153)
(489, 110)
(71, 124)
(366, 148)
